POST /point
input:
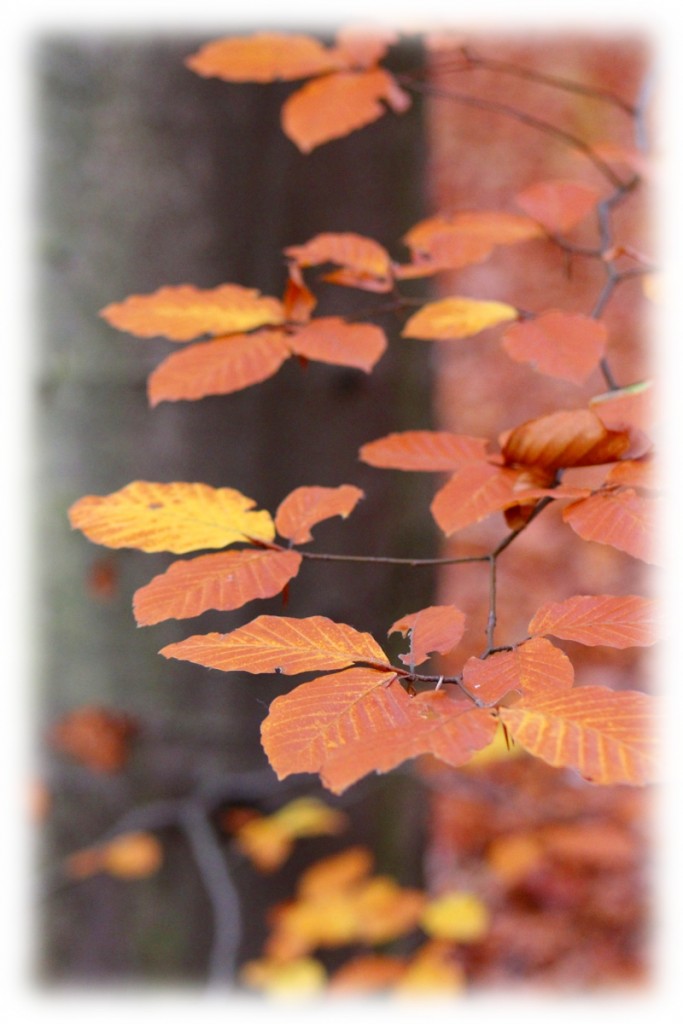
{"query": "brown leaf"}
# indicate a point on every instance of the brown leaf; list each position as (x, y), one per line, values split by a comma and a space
(217, 367)
(622, 519)
(568, 438)
(264, 57)
(329, 339)
(222, 581)
(298, 300)
(436, 629)
(273, 643)
(431, 451)
(558, 205)
(331, 107)
(95, 736)
(612, 621)
(306, 506)
(565, 345)
(455, 318)
(184, 312)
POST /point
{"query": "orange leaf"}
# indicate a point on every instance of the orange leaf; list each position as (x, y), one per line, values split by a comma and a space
(273, 643)
(175, 517)
(456, 318)
(605, 735)
(449, 242)
(436, 629)
(268, 841)
(565, 345)
(532, 668)
(633, 473)
(568, 438)
(295, 979)
(475, 491)
(431, 451)
(329, 339)
(331, 107)
(131, 855)
(97, 737)
(217, 367)
(433, 971)
(361, 257)
(264, 57)
(632, 406)
(611, 621)
(337, 873)
(458, 916)
(306, 506)
(220, 581)
(558, 205)
(367, 973)
(352, 723)
(298, 300)
(184, 312)
(622, 519)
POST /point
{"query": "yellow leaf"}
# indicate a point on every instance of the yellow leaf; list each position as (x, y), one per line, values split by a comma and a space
(292, 979)
(456, 318)
(175, 517)
(268, 841)
(459, 916)
(433, 971)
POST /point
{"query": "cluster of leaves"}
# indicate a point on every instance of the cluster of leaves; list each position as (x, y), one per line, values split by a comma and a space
(366, 714)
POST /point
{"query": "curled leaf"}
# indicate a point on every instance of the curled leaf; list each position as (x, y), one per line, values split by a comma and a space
(306, 506)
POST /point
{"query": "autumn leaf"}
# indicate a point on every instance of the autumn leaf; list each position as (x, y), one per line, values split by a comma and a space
(349, 724)
(330, 339)
(635, 406)
(565, 345)
(600, 620)
(558, 205)
(477, 490)
(431, 630)
(275, 643)
(365, 262)
(175, 517)
(306, 506)
(284, 979)
(454, 318)
(128, 856)
(431, 451)
(366, 974)
(623, 519)
(217, 367)
(298, 300)
(97, 737)
(634, 473)
(450, 242)
(223, 582)
(264, 57)
(605, 735)
(531, 668)
(433, 972)
(458, 916)
(568, 438)
(268, 840)
(331, 107)
(184, 312)
(336, 873)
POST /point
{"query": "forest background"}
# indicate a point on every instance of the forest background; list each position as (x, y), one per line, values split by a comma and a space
(16, 399)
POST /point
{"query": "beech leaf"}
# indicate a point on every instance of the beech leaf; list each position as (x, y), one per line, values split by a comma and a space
(273, 643)
(478, 489)
(223, 582)
(362, 258)
(331, 107)
(565, 345)
(534, 667)
(456, 318)
(218, 367)
(449, 242)
(628, 621)
(431, 451)
(432, 630)
(177, 517)
(306, 506)
(605, 735)
(623, 519)
(558, 205)
(264, 57)
(184, 312)
(568, 438)
(330, 339)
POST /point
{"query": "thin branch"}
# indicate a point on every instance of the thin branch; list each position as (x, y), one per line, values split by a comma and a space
(387, 560)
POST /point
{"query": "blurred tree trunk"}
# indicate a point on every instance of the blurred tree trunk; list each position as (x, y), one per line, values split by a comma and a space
(149, 175)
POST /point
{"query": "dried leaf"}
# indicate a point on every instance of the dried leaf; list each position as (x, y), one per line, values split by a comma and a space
(431, 451)
(565, 345)
(622, 519)
(175, 517)
(272, 643)
(534, 667)
(448, 319)
(222, 582)
(436, 629)
(184, 312)
(330, 339)
(306, 506)
(361, 257)
(611, 621)
(331, 107)
(458, 916)
(603, 734)
(568, 438)
(217, 367)
(264, 57)
(558, 205)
